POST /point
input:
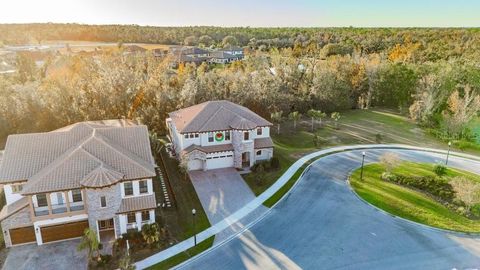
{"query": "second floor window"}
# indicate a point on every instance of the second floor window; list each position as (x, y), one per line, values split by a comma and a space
(143, 186)
(131, 217)
(77, 195)
(17, 188)
(128, 188)
(210, 137)
(227, 135)
(103, 201)
(42, 200)
(246, 136)
(259, 131)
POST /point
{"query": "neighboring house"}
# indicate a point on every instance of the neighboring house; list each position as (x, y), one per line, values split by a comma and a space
(221, 57)
(237, 51)
(90, 174)
(219, 134)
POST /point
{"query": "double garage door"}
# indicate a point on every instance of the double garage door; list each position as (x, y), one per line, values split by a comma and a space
(63, 231)
(49, 233)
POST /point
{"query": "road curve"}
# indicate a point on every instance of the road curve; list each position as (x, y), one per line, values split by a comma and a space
(322, 224)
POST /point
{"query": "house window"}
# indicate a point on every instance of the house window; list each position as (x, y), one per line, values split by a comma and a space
(131, 217)
(196, 135)
(143, 186)
(191, 136)
(42, 200)
(128, 188)
(186, 136)
(210, 137)
(145, 215)
(246, 136)
(227, 135)
(77, 195)
(17, 188)
(259, 131)
(103, 201)
(259, 152)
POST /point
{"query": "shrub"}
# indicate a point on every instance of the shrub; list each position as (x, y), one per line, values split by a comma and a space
(151, 233)
(378, 138)
(432, 185)
(440, 170)
(275, 163)
(475, 210)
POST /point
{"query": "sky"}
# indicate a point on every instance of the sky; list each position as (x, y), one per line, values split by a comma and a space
(254, 13)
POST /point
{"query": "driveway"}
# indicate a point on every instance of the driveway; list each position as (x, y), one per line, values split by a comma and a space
(222, 192)
(60, 255)
(322, 224)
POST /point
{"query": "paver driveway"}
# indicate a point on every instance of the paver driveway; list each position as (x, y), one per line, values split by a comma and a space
(323, 225)
(222, 192)
(53, 256)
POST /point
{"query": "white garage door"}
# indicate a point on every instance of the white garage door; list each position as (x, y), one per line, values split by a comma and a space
(195, 164)
(220, 162)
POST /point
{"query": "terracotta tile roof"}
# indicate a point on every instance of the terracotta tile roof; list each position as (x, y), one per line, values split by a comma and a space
(62, 159)
(213, 116)
(101, 177)
(263, 143)
(137, 203)
(209, 149)
(11, 209)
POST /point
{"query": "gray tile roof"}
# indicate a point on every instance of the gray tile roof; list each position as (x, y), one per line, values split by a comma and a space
(11, 209)
(137, 203)
(223, 55)
(214, 116)
(263, 143)
(210, 148)
(65, 158)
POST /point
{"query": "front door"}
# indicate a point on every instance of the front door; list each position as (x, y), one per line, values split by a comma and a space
(245, 159)
(106, 224)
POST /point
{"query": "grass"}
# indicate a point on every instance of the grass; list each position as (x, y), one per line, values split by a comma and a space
(410, 204)
(179, 220)
(181, 257)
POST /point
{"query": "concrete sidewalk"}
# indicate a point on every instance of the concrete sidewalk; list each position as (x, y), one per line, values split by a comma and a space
(258, 201)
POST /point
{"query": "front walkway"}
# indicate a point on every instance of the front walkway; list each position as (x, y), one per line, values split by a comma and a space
(222, 192)
(60, 255)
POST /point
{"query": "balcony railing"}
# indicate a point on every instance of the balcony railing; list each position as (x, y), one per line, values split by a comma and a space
(59, 208)
(41, 211)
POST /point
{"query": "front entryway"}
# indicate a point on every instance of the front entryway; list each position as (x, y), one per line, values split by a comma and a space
(245, 159)
(106, 231)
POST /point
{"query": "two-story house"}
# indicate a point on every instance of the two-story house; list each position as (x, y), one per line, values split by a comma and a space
(219, 134)
(89, 174)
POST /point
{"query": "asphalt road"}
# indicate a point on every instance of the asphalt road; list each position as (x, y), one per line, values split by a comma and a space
(323, 225)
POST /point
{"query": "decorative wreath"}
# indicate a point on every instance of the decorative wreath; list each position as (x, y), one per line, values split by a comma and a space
(218, 136)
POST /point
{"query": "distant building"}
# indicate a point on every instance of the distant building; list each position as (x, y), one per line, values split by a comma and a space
(198, 56)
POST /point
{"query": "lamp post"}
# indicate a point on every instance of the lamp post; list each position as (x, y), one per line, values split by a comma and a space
(448, 153)
(194, 231)
(363, 162)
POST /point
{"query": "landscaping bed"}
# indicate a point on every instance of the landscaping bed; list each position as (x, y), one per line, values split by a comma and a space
(421, 193)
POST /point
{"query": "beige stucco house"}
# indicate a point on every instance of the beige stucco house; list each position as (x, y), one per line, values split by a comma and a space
(219, 134)
(90, 174)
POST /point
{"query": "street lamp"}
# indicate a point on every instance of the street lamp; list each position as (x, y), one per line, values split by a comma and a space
(448, 153)
(194, 231)
(363, 162)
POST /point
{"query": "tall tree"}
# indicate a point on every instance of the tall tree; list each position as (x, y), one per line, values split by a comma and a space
(277, 118)
(295, 116)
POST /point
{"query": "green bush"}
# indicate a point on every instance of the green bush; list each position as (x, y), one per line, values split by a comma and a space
(432, 185)
(440, 170)
(475, 210)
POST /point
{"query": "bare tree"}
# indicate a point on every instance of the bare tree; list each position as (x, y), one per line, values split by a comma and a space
(461, 110)
(466, 190)
(390, 160)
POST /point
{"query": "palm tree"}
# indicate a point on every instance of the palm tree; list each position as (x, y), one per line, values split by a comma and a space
(336, 116)
(316, 115)
(277, 118)
(151, 233)
(295, 116)
(89, 242)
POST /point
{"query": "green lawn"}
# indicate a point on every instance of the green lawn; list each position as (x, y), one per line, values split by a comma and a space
(181, 257)
(407, 203)
(355, 127)
(475, 126)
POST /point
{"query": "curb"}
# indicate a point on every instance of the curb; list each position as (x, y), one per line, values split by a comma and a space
(315, 155)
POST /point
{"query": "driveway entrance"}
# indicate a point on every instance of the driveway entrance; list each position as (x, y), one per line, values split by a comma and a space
(222, 192)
